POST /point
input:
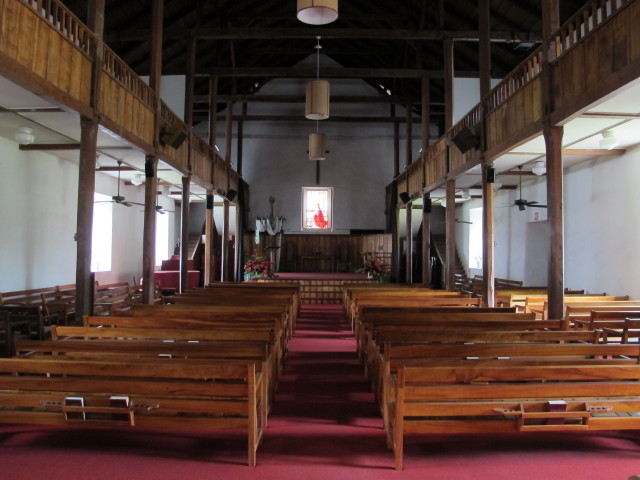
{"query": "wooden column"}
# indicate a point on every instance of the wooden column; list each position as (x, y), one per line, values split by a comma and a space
(84, 228)
(409, 152)
(450, 280)
(488, 240)
(426, 209)
(213, 110)
(395, 237)
(396, 142)
(224, 248)
(209, 249)
(184, 235)
(240, 138)
(409, 246)
(208, 239)
(190, 81)
(149, 229)
(224, 254)
(488, 214)
(426, 240)
(155, 77)
(87, 168)
(448, 83)
(553, 143)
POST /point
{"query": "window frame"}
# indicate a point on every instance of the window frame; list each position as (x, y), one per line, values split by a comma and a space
(327, 208)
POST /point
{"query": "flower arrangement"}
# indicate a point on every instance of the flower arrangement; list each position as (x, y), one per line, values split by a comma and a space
(375, 267)
(257, 266)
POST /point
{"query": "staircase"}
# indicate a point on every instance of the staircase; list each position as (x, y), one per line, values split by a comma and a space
(439, 243)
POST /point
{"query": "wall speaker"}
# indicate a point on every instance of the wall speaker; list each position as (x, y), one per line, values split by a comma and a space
(466, 140)
(174, 136)
(404, 196)
(491, 175)
(426, 204)
(209, 202)
(231, 194)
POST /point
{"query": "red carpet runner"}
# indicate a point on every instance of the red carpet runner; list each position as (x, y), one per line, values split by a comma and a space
(324, 425)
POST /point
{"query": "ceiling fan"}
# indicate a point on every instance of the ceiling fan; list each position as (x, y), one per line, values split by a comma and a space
(521, 203)
(119, 199)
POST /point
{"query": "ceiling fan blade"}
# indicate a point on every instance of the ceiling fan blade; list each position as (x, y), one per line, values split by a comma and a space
(538, 206)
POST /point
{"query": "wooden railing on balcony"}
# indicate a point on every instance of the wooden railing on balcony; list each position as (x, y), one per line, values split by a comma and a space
(585, 63)
(65, 22)
(578, 27)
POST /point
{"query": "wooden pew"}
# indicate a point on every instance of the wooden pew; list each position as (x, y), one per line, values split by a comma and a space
(510, 398)
(158, 393)
(578, 314)
(108, 298)
(625, 331)
(60, 304)
(539, 303)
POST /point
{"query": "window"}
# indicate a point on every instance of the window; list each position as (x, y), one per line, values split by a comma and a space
(317, 208)
(475, 238)
(162, 238)
(101, 235)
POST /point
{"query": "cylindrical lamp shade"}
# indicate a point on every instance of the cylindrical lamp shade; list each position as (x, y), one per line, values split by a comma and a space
(317, 12)
(317, 146)
(317, 105)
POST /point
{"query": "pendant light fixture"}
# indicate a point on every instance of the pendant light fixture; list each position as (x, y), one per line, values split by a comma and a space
(317, 146)
(317, 12)
(317, 99)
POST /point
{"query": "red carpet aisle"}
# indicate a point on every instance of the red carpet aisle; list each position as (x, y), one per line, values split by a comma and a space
(323, 426)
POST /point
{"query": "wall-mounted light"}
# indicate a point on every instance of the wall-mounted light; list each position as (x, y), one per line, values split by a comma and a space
(609, 140)
(465, 195)
(138, 179)
(540, 168)
(25, 136)
(317, 12)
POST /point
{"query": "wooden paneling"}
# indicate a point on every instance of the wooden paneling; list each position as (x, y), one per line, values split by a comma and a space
(341, 253)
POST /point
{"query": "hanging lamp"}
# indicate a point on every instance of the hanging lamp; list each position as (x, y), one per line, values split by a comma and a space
(317, 12)
(317, 99)
(317, 146)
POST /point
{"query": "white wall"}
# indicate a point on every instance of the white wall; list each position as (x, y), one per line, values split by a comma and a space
(602, 225)
(38, 205)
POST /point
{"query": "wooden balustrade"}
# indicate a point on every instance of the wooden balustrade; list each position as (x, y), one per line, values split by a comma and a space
(65, 22)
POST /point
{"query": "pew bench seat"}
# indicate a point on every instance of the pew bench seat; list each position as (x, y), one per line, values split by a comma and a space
(158, 393)
(510, 398)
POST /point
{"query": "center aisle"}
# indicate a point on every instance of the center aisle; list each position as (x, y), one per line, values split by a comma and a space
(324, 412)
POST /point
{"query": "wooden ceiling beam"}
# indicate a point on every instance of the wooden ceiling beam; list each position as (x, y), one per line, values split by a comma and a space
(301, 99)
(140, 35)
(310, 72)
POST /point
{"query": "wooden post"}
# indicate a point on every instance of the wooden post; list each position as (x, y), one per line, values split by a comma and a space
(448, 83)
(451, 235)
(87, 168)
(426, 240)
(149, 230)
(396, 142)
(184, 235)
(426, 200)
(189, 82)
(84, 228)
(409, 126)
(224, 253)
(208, 239)
(488, 214)
(553, 143)
(488, 237)
(409, 246)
